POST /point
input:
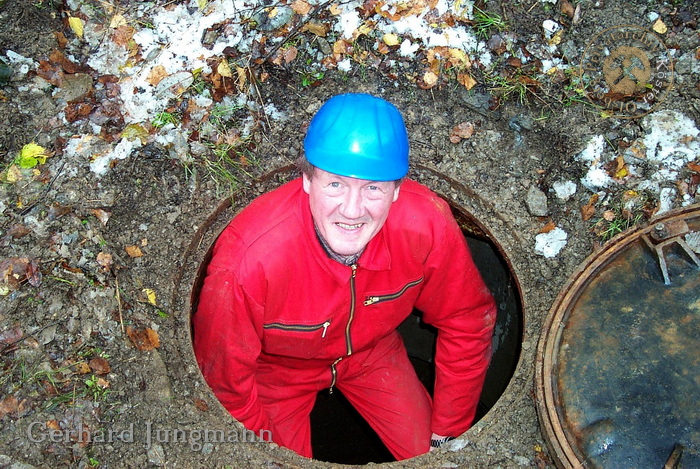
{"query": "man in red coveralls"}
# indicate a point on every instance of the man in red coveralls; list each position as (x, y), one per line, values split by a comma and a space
(308, 284)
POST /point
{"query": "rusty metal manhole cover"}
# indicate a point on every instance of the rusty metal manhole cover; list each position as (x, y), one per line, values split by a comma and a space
(618, 365)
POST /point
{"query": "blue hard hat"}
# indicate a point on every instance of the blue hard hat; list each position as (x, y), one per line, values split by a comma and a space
(360, 136)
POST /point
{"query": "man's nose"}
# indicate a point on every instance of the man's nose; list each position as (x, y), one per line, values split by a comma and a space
(352, 206)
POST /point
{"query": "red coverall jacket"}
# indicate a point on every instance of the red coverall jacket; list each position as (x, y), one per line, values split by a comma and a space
(272, 296)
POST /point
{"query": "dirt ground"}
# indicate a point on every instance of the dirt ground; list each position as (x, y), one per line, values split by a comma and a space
(99, 269)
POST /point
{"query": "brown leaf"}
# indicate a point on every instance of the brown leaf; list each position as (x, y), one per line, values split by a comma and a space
(609, 215)
(10, 336)
(133, 251)
(588, 210)
(143, 339)
(201, 404)
(463, 130)
(18, 231)
(101, 215)
(694, 167)
(466, 80)
(156, 74)
(548, 227)
(567, 8)
(15, 270)
(301, 7)
(105, 260)
(8, 405)
(99, 366)
(318, 29)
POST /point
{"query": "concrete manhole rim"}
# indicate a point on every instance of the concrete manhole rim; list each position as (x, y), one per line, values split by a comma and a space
(195, 252)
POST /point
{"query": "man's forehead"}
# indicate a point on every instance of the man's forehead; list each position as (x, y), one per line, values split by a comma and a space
(318, 172)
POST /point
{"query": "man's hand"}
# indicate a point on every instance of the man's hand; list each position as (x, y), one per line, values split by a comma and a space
(438, 440)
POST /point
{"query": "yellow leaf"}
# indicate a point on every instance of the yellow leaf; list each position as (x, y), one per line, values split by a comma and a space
(335, 9)
(117, 20)
(150, 295)
(201, 4)
(660, 27)
(459, 57)
(32, 150)
(13, 174)
(391, 39)
(224, 69)
(76, 24)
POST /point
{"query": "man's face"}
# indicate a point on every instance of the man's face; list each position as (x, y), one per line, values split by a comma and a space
(348, 212)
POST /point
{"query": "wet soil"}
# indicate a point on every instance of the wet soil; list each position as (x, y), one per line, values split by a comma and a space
(78, 328)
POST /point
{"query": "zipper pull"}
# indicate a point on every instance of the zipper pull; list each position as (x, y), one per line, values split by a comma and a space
(371, 300)
(354, 270)
(325, 328)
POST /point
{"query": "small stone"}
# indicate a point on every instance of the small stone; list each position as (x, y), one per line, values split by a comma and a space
(537, 202)
(156, 455)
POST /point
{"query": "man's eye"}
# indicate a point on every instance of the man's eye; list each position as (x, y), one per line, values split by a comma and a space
(373, 188)
(334, 184)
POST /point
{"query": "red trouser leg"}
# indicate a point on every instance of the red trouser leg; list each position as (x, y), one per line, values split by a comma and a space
(288, 396)
(382, 385)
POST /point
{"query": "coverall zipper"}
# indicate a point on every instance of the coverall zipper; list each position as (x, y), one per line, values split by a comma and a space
(299, 327)
(370, 300)
(348, 342)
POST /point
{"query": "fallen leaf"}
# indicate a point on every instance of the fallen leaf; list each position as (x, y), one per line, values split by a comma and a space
(659, 27)
(116, 21)
(567, 8)
(609, 215)
(466, 80)
(588, 210)
(32, 154)
(133, 251)
(15, 270)
(156, 74)
(318, 29)
(391, 39)
(13, 174)
(76, 24)
(53, 424)
(224, 69)
(99, 366)
(462, 130)
(105, 260)
(143, 339)
(101, 215)
(335, 9)
(8, 405)
(300, 7)
(201, 404)
(150, 296)
(548, 227)
(694, 167)
(82, 368)
(18, 231)
(430, 79)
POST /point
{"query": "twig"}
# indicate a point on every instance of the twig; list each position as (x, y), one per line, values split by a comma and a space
(119, 303)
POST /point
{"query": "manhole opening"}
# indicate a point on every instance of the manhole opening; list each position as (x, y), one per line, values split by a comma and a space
(339, 433)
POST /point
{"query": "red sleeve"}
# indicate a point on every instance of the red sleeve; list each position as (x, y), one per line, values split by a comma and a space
(456, 301)
(227, 333)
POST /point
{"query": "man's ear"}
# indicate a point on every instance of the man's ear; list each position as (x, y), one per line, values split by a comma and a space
(306, 183)
(396, 192)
